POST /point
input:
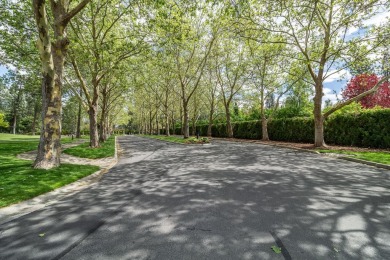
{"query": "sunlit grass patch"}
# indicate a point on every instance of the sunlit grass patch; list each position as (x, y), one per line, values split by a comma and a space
(379, 157)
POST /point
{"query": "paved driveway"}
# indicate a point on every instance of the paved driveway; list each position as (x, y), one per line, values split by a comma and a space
(221, 201)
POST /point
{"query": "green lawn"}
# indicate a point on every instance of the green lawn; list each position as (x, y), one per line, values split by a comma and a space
(107, 149)
(19, 181)
(379, 157)
(176, 139)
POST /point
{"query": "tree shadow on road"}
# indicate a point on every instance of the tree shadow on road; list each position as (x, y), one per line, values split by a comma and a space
(228, 201)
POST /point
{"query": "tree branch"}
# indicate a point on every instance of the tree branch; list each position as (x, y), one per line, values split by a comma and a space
(357, 98)
(65, 20)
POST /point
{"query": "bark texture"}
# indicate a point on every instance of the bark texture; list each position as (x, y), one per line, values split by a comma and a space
(49, 149)
(52, 55)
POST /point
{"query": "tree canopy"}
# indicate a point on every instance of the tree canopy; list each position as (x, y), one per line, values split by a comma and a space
(167, 66)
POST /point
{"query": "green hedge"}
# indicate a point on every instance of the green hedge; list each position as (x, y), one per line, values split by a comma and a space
(370, 128)
(297, 129)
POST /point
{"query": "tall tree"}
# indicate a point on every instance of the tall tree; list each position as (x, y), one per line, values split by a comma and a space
(52, 53)
(188, 30)
(319, 30)
(105, 35)
(231, 73)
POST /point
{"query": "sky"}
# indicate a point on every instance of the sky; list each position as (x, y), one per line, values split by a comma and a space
(3, 70)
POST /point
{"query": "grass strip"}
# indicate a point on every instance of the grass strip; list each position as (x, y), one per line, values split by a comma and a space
(106, 149)
(19, 181)
(378, 157)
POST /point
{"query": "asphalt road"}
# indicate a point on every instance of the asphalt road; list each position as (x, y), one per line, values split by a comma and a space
(221, 201)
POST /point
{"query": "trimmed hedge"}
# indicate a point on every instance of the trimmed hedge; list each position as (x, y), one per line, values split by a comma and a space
(296, 129)
(370, 128)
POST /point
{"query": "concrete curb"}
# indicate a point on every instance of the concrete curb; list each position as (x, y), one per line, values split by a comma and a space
(292, 148)
(25, 207)
(347, 158)
(378, 165)
(269, 144)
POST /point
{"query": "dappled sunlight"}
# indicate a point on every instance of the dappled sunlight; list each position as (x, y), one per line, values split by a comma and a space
(176, 202)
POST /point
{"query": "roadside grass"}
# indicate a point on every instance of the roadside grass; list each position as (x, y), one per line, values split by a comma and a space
(176, 139)
(19, 181)
(378, 157)
(107, 149)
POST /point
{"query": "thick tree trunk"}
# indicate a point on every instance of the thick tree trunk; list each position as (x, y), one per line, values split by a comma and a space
(93, 129)
(52, 56)
(49, 149)
(318, 117)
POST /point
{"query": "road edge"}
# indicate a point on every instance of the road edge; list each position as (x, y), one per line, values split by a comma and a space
(346, 158)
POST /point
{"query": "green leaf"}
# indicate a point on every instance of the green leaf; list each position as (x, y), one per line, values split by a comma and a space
(42, 234)
(276, 249)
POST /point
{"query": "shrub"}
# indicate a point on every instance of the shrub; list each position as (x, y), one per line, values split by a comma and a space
(194, 140)
(369, 128)
(298, 129)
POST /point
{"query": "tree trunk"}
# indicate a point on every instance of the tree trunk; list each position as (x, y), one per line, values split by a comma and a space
(229, 128)
(78, 127)
(34, 122)
(318, 117)
(167, 133)
(107, 127)
(150, 122)
(93, 129)
(103, 117)
(209, 130)
(264, 128)
(52, 57)
(102, 130)
(193, 132)
(173, 123)
(264, 123)
(186, 128)
(211, 115)
(14, 123)
(157, 125)
(181, 121)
